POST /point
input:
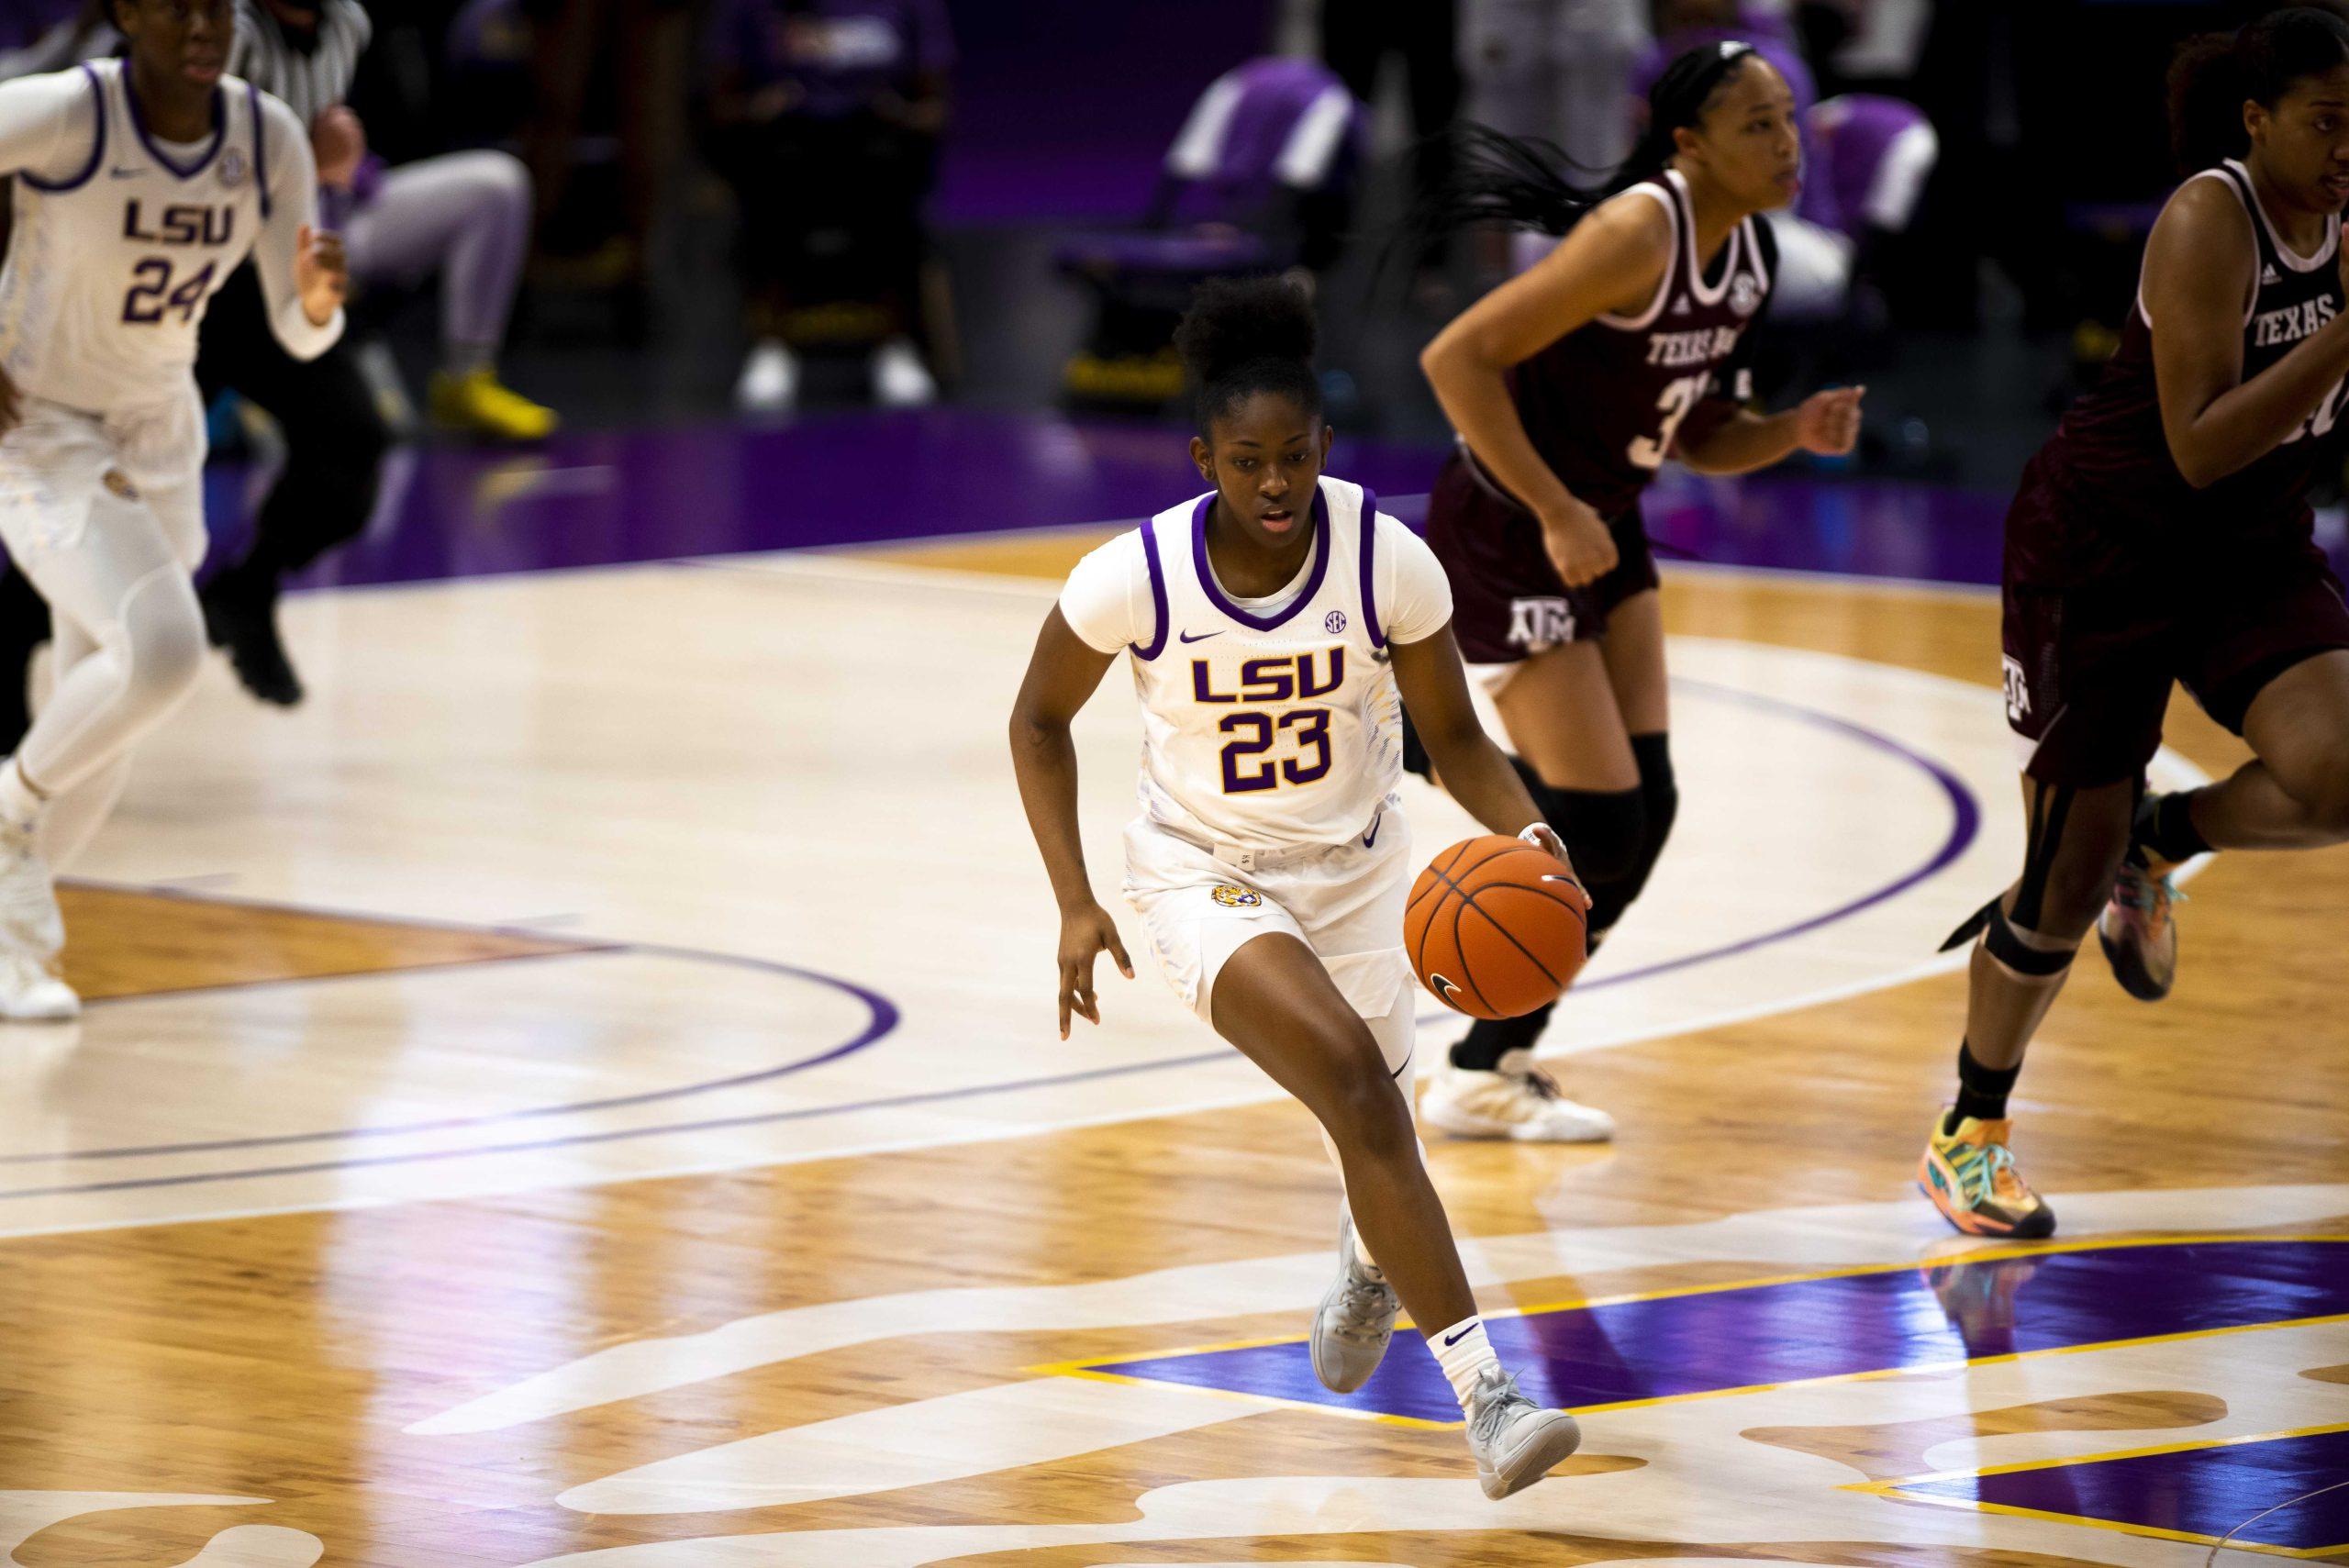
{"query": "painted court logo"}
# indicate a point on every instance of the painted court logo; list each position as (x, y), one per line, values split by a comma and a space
(1233, 898)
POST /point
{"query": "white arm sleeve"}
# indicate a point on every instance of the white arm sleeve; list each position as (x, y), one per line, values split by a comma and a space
(293, 205)
(1107, 601)
(1419, 604)
(49, 125)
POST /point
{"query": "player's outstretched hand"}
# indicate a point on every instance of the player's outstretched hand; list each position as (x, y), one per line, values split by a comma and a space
(1828, 422)
(321, 275)
(1578, 544)
(10, 410)
(1085, 934)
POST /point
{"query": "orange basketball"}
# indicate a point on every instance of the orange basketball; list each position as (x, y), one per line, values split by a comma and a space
(1496, 926)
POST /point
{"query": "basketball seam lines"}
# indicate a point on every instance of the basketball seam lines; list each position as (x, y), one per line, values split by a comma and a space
(1442, 871)
(1469, 899)
(1465, 974)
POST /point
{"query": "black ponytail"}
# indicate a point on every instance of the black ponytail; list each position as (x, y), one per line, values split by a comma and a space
(1243, 336)
(1520, 183)
(2214, 75)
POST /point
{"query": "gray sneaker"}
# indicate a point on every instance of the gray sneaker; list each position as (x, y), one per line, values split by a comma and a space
(1356, 1320)
(1515, 1441)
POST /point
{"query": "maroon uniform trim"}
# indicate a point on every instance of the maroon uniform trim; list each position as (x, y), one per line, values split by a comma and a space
(1601, 405)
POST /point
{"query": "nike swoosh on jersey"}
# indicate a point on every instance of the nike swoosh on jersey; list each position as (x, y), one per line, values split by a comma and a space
(1202, 637)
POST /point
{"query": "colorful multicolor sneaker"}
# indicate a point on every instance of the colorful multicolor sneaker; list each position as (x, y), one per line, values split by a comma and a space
(2139, 932)
(1970, 1175)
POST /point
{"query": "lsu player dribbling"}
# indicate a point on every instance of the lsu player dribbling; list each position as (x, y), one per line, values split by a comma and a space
(141, 184)
(1270, 624)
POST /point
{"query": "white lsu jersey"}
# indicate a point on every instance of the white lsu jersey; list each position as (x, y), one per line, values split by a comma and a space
(1271, 724)
(120, 241)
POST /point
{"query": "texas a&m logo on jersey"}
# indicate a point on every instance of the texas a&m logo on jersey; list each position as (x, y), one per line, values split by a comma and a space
(1537, 624)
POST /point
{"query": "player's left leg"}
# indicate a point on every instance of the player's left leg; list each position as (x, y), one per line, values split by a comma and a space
(2273, 666)
(467, 215)
(1273, 999)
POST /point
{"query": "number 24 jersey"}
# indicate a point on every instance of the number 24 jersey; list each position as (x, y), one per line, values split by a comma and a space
(119, 241)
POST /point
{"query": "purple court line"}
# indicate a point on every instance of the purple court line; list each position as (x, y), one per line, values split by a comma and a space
(882, 1017)
(1965, 827)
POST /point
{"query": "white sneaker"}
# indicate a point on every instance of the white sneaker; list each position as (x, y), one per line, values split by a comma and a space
(1520, 1101)
(29, 994)
(770, 379)
(29, 921)
(1515, 1441)
(899, 378)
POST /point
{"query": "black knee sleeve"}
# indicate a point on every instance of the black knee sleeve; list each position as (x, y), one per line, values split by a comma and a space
(1604, 830)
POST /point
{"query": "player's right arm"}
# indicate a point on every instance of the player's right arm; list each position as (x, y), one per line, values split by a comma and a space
(1063, 673)
(2198, 271)
(38, 118)
(47, 128)
(1609, 262)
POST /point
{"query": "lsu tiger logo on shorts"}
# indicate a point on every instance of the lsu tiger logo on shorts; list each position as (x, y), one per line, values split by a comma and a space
(1233, 898)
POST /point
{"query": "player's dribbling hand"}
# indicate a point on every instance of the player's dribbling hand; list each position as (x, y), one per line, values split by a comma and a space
(1085, 934)
(1828, 422)
(1544, 837)
(321, 275)
(1578, 544)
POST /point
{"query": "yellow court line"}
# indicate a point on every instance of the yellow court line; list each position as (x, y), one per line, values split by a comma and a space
(2190, 1445)
(2153, 1531)
(1087, 1366)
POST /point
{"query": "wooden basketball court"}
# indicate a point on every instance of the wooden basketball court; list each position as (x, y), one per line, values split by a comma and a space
(583, 1090)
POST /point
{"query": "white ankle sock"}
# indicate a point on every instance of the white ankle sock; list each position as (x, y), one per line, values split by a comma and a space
(1464, 1352)
(20, 804)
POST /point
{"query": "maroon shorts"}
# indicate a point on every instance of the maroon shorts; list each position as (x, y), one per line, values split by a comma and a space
(2088, 665)
(1507, 601)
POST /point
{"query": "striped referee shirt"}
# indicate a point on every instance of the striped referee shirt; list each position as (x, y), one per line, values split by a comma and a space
(312, 79)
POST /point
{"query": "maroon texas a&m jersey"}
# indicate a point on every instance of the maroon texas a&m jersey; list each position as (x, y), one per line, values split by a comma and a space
(1602, 403)
(2110, 460)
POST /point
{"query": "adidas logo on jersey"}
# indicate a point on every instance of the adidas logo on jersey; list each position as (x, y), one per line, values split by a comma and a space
(2267, 274)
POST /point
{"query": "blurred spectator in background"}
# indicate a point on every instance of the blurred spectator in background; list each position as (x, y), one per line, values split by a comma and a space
(619, 65)
(49, 35)
(825, 116)
(1424, 36)
(465, 216)
(1555, 71)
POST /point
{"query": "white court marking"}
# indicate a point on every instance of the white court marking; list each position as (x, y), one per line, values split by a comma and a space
(800, 762)
(1700, 1479)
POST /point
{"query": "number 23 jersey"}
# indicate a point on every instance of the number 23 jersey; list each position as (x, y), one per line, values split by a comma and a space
(1270, 723)
(119, 241)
